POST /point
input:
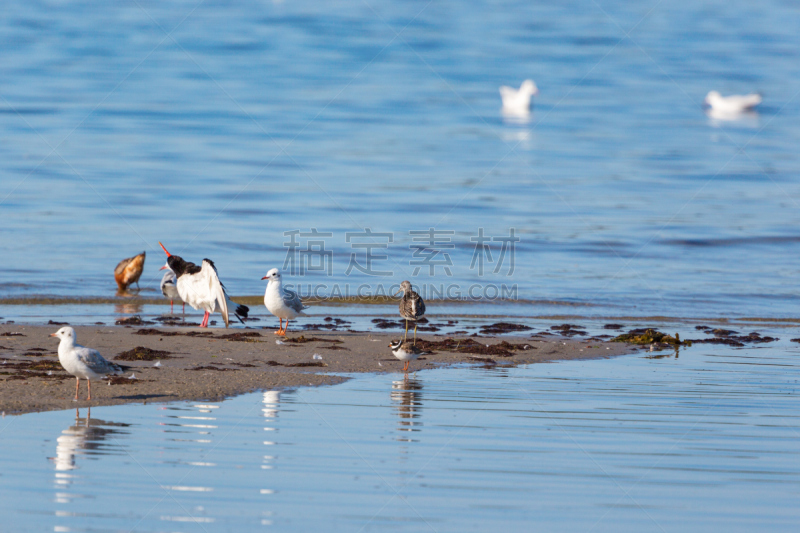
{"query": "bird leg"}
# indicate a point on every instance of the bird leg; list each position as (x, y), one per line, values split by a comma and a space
(406, 335)
(170, 307)
(285, 327)
(415, 333)
(204, 323)
(184, 308)
(77, 384)
(405, 367)
(280, 328)
(89, 383)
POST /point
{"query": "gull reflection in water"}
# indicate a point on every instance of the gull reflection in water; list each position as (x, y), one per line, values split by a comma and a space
(86, 437)
(407, 399)
(271, 400)
(718, 119)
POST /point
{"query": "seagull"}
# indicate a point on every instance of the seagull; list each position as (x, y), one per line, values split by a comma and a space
(82, 362)
(169, 287)
(733, 104)
(201, 288)
(281, 302)
(406, 351)
(518, 101)
(412, 307)
(128, 271)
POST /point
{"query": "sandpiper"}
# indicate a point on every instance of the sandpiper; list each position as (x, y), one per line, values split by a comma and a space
(406, 352)
(412, 307)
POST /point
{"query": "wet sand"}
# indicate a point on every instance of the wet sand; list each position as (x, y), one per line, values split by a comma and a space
(215, 363)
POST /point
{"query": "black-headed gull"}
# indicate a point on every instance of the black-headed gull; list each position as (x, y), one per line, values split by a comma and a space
(282, 303)
(169, 287)
(128, 271)
(412, 307)
(733, 104)
(518, 101)
(82, 362)
(201, 288)
(406, 352)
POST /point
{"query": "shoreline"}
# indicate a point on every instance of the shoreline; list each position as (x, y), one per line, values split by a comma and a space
(212, 364)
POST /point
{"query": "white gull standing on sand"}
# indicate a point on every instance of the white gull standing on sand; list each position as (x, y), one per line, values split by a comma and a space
(282, 303)
(518, 101)
(82, 362)
(169, 287)
(201, 288)
(733, 104)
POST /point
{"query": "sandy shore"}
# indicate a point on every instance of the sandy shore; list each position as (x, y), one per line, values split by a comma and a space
(212, 364)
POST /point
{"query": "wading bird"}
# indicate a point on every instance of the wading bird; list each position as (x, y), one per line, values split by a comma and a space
(412, 307)
(200, 287)
(128, 271)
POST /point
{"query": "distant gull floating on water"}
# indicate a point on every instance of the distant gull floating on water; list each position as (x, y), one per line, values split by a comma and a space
(518, 101)
(128, 271)
(82, 362)
(282, 303)
(169, 287)
(201, 288)
(733, 104)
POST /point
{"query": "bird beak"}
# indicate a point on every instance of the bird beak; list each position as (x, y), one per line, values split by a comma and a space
(265, 277)
(398, 292)
(165, 250)
(54, 335)
(164, 267)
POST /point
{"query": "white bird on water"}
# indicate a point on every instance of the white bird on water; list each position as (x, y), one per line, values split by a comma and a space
(201, 288)
(518, 101)
(169, 287)
(733, 104)
(282, 303)
(82, 362)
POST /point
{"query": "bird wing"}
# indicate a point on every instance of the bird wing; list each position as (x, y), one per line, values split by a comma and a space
(749, 100)
(419, 306)
(293, 301)
(216, 288)
(120, 268)
(96, 362)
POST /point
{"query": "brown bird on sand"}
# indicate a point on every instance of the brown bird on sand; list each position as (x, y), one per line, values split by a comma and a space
(412, 307)
(128, 271)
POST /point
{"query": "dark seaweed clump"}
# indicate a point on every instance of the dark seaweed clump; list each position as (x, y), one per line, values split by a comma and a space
(647, 336)
(613, 326)
(244, 336)
(503, 327)
(153, 331)
(732, 338)
(569, 330)
(218, 369)
(134, 320)
(54, 323)
(302, 339)
(11, 334)
(471, 346)
(141, 353)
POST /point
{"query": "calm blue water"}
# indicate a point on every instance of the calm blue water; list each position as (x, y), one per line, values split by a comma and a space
(705, 441)
(216, 127)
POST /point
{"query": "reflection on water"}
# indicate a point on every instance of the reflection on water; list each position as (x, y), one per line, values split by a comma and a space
(127, 308)
(706, 440)
(407, 400)
(86, 438)
(719, 118)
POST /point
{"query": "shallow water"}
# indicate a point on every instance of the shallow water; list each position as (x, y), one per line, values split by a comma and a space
(253, 119)
(705, 440)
